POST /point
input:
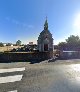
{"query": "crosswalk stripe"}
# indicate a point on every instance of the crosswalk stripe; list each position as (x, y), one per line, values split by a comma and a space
(12, 70)
(14, 78)
(10, 78)
(13, 91)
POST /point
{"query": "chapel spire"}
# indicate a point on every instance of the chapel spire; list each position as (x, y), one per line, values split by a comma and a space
(46, 24)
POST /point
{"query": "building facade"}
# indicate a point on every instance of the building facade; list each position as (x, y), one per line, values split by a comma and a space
(45, 40)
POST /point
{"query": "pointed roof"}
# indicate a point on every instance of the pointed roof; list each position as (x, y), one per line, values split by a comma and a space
(46, 24)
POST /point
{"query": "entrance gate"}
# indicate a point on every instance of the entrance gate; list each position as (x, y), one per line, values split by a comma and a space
(45, 47)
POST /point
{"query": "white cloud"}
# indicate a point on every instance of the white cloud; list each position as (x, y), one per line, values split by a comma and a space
(15, 21)
(12, 20)
(7, 18)
(21, 24)
(24, 24)
(30, 26)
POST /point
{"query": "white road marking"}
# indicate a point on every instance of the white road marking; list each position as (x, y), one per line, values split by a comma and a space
(10, 78)
(13, 91)
(12, 70)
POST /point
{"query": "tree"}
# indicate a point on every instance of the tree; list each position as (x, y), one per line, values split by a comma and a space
(8, 44)
(72, 43)
(1, 44)
(73, 40)
(18, 43)
(62, 45)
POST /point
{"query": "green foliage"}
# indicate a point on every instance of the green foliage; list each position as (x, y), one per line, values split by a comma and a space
(18, 43)
(9, 44)
(73, 40)
(1, 44)
(71, 43)
(62, 45)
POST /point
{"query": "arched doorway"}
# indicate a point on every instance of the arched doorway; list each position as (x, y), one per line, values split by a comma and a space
(45, 47)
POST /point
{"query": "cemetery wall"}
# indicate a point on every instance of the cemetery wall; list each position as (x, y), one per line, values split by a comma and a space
(25, 56)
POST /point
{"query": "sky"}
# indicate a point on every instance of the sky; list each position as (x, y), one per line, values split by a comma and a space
(24, 19)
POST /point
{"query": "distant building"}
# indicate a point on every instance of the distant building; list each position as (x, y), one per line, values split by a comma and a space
(4, 44)
(7, 44)
(30, 43)
(45, 40)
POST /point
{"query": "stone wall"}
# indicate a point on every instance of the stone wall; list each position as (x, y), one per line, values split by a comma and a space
(69, 55)
(25, 56)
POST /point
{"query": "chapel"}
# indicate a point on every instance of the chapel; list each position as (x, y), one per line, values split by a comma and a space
(45, 40)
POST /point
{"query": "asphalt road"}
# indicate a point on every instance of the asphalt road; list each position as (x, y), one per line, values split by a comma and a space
(58, 76)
